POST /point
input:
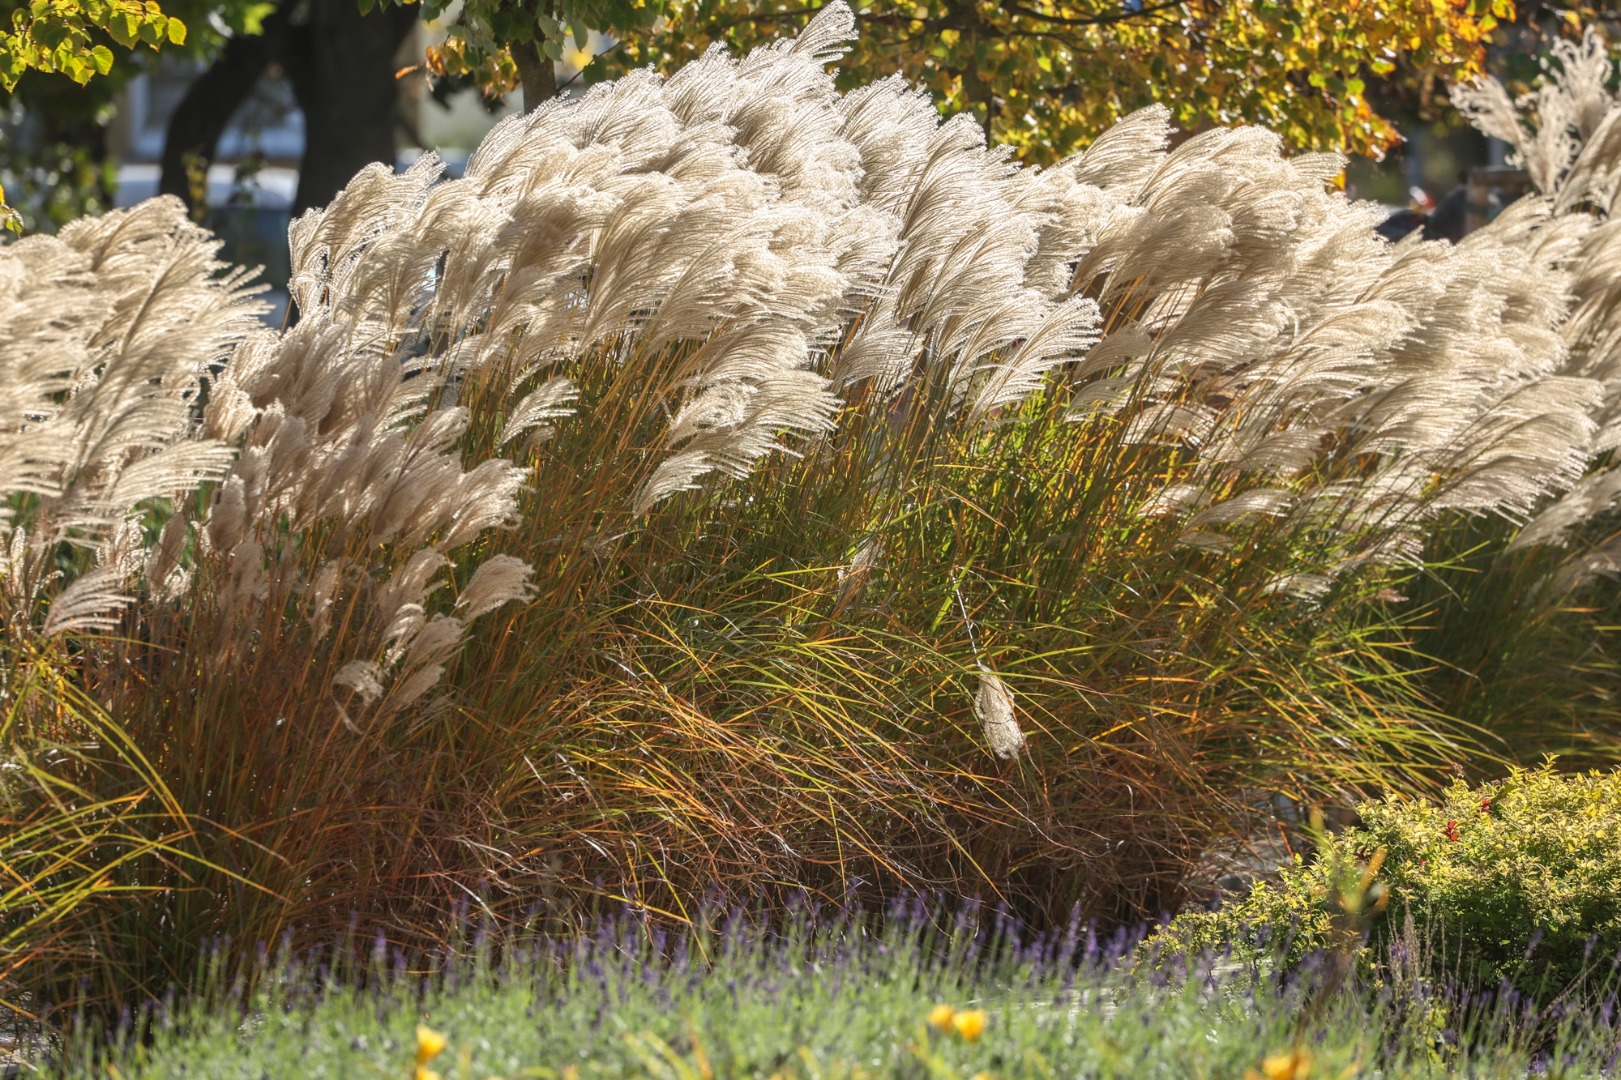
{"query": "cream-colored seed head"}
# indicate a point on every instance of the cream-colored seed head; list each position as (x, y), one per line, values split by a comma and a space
(994, 706)
(758, 253)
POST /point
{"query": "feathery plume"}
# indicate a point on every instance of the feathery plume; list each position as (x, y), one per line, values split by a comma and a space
(498, 580)
(993, 704)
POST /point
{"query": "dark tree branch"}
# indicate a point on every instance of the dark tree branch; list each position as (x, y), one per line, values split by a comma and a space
(767, 16)
(1143, 13)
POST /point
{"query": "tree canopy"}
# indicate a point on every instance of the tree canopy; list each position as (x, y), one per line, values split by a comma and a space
(62, 36)
(64, 61)
(72, 37)
(1044, 76)
(504, 44)
(1048, 75)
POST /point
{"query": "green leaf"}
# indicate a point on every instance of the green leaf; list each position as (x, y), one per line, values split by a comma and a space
(177, 32)
(366, 6)
(102, 57)
(123, 29)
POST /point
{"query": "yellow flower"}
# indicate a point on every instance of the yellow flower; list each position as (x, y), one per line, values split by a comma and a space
(969, 1024)
(982, 1076)
(430, 1044)
(1295, 1065)
(940, 1017)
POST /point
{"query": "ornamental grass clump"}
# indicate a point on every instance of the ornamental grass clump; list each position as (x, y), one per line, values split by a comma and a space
(1119, 448)
(1518, 613)
(729, 483)
(182, 647)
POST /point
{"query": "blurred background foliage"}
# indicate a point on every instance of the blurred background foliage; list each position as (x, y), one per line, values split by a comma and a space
(1047, 77)
(57, 108)
(1044, 78)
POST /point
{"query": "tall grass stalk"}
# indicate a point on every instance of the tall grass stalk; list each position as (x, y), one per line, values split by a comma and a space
(84, 819)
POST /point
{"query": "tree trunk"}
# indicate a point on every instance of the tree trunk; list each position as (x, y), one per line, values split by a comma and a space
(537, 73)
(341, 65)
(213, 98)
(963, 16)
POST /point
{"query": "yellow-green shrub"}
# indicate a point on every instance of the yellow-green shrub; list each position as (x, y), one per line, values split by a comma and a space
(1517, 880)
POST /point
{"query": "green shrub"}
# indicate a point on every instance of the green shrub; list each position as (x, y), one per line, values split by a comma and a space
(1518, 880)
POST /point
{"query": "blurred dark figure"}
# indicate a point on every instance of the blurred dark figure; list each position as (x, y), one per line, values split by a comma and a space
(1433, 221)
(1447, 221)
(1402, 223)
